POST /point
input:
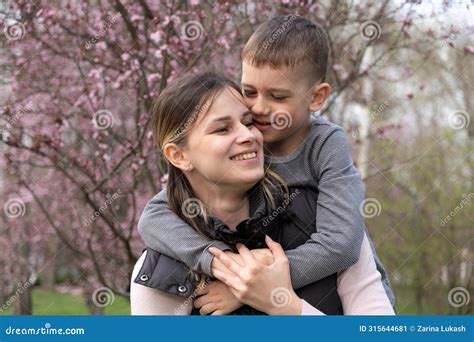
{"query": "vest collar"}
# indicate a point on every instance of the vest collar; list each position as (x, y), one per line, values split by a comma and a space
(245, 230)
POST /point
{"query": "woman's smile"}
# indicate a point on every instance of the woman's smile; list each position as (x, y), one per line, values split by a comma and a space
(248, 157)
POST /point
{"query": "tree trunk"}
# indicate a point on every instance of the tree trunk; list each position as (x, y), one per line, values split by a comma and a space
(93, 308)
(24, 303)
(365, 120)
(49, 270)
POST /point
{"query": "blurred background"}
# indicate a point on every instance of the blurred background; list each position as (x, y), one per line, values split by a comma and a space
(77, 163)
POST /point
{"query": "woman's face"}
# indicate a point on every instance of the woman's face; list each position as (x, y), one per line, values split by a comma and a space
(224, 146)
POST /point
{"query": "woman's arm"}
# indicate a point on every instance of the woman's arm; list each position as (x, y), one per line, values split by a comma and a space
(360, 288)
(148, 301)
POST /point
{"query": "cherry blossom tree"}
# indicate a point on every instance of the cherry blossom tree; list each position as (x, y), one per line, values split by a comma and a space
(78, 81)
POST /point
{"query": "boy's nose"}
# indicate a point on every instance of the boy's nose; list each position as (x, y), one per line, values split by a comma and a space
(259, 107)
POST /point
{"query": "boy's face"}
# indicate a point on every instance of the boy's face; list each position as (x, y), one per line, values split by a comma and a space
(280, 100)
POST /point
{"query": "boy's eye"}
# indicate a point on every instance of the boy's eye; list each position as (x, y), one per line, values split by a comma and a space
(249, 93)
(279, 98)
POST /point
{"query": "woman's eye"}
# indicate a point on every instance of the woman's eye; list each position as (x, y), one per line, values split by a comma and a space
(250, 124)
(221, 130)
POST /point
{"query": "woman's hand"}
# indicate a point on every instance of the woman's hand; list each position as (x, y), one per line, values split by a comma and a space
(216, 299)
(264, 287)
(263, 255)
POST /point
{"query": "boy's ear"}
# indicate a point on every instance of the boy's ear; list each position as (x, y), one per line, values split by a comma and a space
(176, 157)
(319, 95)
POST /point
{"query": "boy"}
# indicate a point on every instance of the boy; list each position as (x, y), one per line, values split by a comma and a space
(283, 74)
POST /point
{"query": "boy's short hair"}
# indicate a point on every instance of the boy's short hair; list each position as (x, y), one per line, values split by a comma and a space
(290, 41)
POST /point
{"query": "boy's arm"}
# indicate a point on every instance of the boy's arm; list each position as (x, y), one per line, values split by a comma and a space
(167, 233)
(340, 226)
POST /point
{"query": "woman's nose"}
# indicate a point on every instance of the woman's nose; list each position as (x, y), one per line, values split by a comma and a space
(245, 135)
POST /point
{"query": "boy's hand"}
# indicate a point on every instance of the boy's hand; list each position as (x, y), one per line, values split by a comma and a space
(217, 300)
(263, 256)
(216, 264)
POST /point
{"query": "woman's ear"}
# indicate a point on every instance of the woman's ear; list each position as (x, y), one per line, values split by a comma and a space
(319, 95)
(176, 157)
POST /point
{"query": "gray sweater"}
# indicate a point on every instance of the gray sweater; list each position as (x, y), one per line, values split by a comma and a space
(321, 163)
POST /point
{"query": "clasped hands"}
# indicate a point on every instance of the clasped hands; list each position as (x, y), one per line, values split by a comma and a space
(259, 278)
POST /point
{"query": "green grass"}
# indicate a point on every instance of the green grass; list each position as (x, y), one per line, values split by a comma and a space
(53, 303)
(406, 303)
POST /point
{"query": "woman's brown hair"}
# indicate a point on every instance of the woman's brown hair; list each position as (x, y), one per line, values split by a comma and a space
(174, 113)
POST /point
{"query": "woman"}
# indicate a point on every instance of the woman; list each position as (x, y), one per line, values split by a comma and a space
(218, 184)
